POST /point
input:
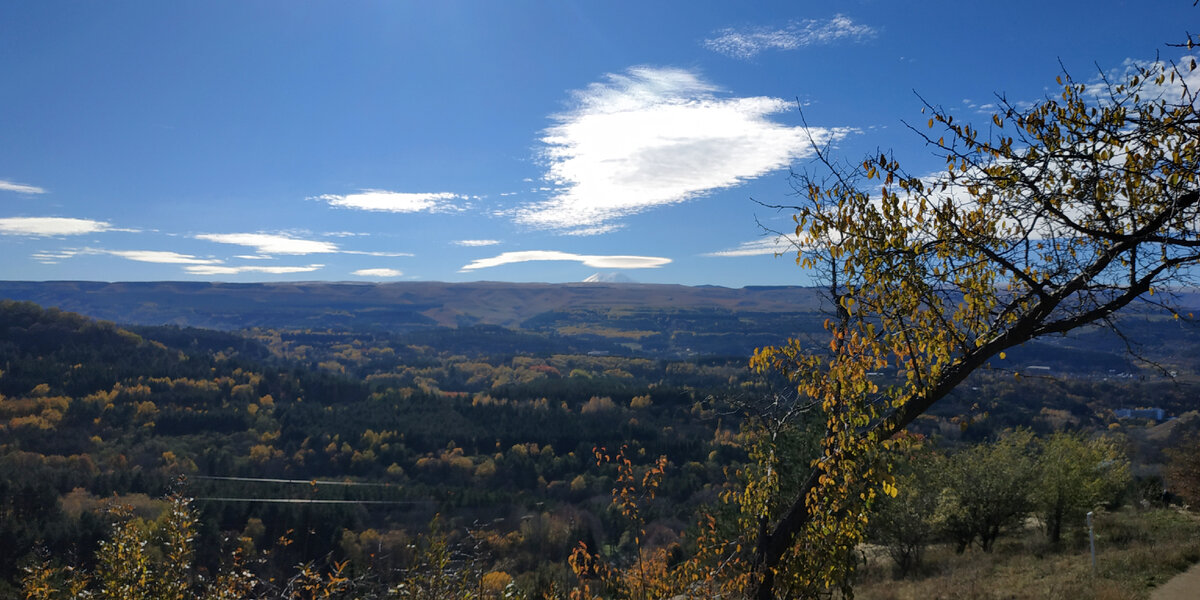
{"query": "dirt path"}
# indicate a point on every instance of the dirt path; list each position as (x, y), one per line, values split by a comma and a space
(1184, 586)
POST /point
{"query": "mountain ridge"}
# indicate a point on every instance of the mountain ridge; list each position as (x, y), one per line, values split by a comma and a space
(653, 320)
(409, 304)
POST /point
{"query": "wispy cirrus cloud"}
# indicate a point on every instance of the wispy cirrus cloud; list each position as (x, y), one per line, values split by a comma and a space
(745, 43)
(51, 226)
(476, 243)
(236, 270)
(162, 257)
(149, 256)
(770, 245)
(380, 254)
(596, 261)
(269, 243)
(53, 257)
(377, 273)
(657, 136)
(595, 230)
(20, 188)
(397, 202)
(193, 265)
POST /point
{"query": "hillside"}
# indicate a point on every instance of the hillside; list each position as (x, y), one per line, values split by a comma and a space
(90, 411)
(648, 320)
(657, 321)
(391, 305)
(339, 440)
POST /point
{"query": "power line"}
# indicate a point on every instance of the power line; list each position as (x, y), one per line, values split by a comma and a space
(309, 501)
(294, 481)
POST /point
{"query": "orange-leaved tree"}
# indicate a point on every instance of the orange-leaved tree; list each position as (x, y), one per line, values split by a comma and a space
(647, 577)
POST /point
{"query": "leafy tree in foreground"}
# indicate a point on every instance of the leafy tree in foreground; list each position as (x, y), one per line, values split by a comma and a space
(129, 567)
(1053, 217)
(1074, 475)
(987, 490)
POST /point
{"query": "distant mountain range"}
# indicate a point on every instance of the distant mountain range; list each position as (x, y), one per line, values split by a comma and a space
(652, 319)
(635, 318)
(391, 305)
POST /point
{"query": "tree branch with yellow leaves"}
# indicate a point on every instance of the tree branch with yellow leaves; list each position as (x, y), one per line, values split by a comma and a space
(1055, 216)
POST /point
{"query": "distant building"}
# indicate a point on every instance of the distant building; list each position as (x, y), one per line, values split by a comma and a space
(1154, 414)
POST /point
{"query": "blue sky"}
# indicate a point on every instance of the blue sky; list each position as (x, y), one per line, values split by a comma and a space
(463, 141)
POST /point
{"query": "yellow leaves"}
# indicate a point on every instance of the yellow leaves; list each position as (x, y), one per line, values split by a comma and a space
(890, 489)
(934, 269)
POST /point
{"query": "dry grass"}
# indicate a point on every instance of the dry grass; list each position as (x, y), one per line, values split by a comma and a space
(1136, 552)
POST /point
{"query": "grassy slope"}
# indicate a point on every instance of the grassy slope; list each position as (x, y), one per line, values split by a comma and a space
(1136, 552)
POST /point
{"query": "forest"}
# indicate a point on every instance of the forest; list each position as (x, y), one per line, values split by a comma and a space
(358, 454)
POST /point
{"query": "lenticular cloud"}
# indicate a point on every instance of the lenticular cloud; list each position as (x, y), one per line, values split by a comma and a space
(652, 137)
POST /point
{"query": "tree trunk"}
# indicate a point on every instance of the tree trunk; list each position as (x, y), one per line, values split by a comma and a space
(1055, 524)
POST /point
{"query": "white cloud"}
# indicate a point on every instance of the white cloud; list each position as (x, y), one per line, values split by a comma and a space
(1171, 89)
(51, 257)
(400, 202)
(268, 244)
(598, 262)
(597, 230)
(477, 243)
(21, 188)
(987, 108)
(48, 226)
(383, 254)
(772, 245)
(150, 256)
(748, 42)
(228, 270)
(271, 243)
(657, 136)
(377, 273)
(159, 256)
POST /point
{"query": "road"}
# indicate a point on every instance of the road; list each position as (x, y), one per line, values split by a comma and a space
(1184, 586)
